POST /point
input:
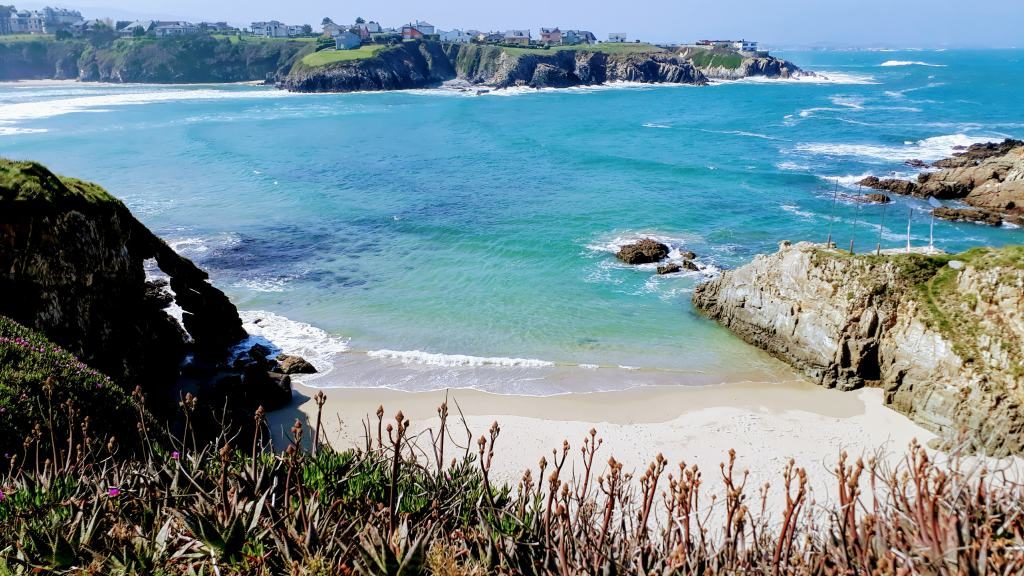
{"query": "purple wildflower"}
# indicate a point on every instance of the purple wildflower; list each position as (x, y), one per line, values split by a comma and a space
(175, 455)
(113, 491)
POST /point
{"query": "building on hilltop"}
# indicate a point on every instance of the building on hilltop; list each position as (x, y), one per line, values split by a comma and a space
(45, 21)
(167, 29)
(347, 40)
(271, 29)
(550, 36)
(572, 37)
(456, 37)
(617, 37)
(137, 28)
(740, 45)
(521, 37)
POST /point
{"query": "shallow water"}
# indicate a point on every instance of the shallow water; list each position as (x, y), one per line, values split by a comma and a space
(468, 240)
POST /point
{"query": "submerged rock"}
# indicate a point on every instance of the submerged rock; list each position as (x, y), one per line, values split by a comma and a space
(945, 342)
(670, 268)
(645, 251)
(877, 198)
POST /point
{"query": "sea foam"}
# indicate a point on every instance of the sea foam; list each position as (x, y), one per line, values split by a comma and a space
(282, 334)
(456, 360)
(933, 148)
(893, 63)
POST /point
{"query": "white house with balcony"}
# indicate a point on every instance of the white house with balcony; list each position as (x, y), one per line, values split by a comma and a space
(456, 36)
(271, 29)
(617, 37)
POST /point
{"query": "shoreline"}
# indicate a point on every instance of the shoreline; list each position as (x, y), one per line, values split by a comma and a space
(766, 423)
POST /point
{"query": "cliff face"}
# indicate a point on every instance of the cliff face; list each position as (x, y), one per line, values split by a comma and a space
(943, 336)
(408, 65)
(988, 177)
(40, 60)
(723, 64)
(160, 61)
(422, 64)
(71, 266)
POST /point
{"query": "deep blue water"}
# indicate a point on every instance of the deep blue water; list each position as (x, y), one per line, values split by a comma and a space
(485, 226)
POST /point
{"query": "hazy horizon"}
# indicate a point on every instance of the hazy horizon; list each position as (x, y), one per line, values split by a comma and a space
(785, 23)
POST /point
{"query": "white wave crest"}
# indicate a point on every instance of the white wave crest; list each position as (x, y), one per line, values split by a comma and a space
(12, 131)
(22, 111)
(933, 148)
(317, 346)
(894, 63)
(655, 125)
(823, 77)
(456, 360)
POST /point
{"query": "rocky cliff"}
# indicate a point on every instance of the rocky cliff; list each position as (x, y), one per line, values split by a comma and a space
(942, 335)
(72, 266)
(191, 59)
(408, 65)
(423, 64)
(988, 177)
(725, 64)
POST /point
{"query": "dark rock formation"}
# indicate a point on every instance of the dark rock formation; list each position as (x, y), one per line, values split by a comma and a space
(989, 177)
(877, 198)
(643, 252)
(944, 338)
(670, 268)
(294, 365)
(894, 185)
(408, 65)
(915, 163)
(71, 266)
(968, 215)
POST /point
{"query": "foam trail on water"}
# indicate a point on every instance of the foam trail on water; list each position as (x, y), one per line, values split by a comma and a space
(317, 346)
(893, 63)
(454, 360)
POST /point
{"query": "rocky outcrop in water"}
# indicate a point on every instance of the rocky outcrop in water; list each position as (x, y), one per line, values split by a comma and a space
(988, 177)
(645, 251)
(942, 335)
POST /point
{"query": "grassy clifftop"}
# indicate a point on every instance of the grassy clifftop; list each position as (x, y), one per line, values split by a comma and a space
(23, 181)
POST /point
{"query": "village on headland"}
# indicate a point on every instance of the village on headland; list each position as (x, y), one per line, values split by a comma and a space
(63, 23)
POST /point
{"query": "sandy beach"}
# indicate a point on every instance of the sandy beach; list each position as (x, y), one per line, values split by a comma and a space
(765, 423)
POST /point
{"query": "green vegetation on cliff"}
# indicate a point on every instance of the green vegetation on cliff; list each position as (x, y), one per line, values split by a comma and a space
(327, 57)
(22, 181)
(196, 58)
(714, 58)
(38, 379)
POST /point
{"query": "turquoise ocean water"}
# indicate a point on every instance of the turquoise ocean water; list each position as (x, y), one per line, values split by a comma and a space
(433, 239)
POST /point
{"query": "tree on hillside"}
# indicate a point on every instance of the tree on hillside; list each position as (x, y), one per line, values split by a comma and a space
(360, 20)
(307, 29)
(326, 21)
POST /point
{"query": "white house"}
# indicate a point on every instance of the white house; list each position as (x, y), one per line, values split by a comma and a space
(165, 29)
(346, 40)
(272, 29)
(745, 45)
(456, 36)
(426, 28)
(296, 30)
(130, 30)
(578, 37)
(27, 22)
(618, 37)
(372, 27)
(517, 37)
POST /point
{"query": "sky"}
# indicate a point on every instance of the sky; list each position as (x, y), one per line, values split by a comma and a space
(780, 23)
